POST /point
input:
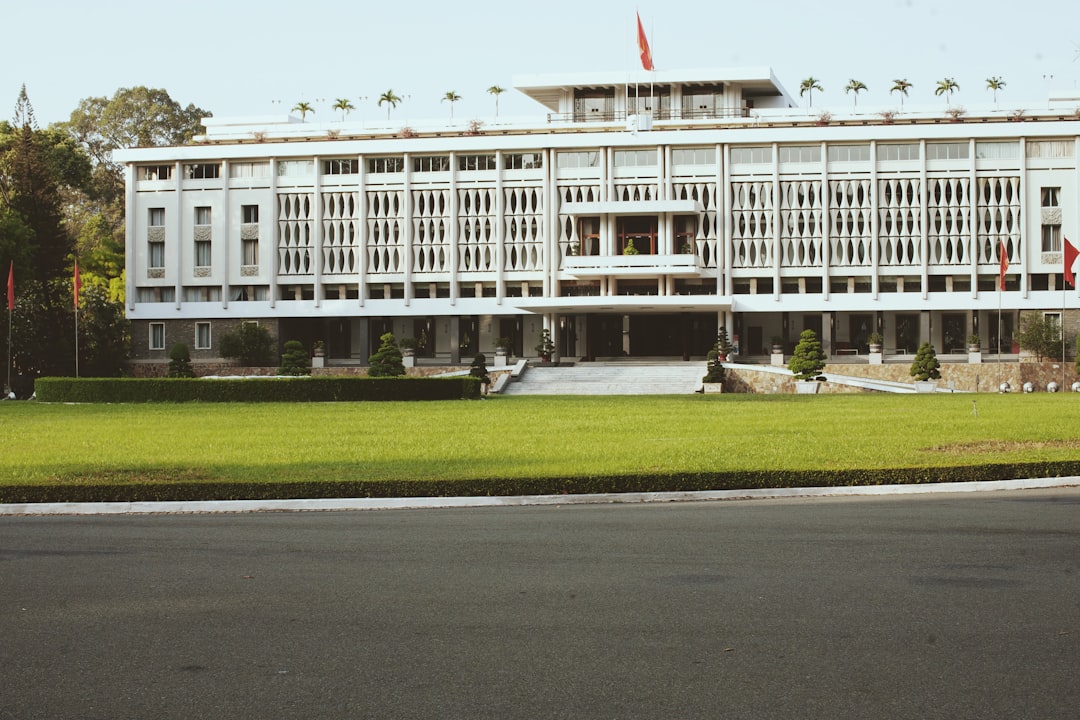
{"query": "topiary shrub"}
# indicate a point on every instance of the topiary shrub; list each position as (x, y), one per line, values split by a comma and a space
(926, 365)
(714, 372)
(478, 369)
(180, 362)
(252, 345)
(295, 360)
(386, 362)
(808, 360)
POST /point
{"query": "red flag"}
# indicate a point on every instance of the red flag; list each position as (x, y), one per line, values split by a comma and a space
(1070, 259)
(77, 284)
(1004, 265)
(11, 286)
(643, 46)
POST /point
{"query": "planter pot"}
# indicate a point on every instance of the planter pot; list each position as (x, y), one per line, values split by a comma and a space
(708, 388)
(925, 386)
(318, 361)
(807, 387)
(875, 348)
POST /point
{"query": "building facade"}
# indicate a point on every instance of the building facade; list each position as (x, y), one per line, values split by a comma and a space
(626, 219)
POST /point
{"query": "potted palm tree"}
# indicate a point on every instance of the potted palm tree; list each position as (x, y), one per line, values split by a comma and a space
(807, 362)
(925, 369)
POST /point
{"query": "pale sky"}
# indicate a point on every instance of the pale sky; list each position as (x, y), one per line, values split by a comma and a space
(261, 57)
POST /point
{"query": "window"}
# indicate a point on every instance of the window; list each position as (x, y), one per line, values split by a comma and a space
(751, 155)
(202, 171)
(155, 252)
(1051, 197)
(898, 151)
(296, 168)
(202, 336)
(997, 150)
(1051, 238)
(249, 251)
(157, 217)
(249, 214)
(1049, 148)
(694, 156)
(947, 151)
(346, 166)
(800, 153)
(386, 165)
(157, 336)
(202, 216)
(1053, 320)
(703, 101)
(635, 158)
(431, 163)
(523, 161)
(849, 153)
(249, 170)
(578, 159)
(155, 172)
(202, 253)
(476, 162)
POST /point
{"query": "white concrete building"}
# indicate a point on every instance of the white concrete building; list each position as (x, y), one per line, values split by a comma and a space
(742, 208)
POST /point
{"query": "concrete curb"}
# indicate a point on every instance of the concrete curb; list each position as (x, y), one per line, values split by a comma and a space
(252, 506)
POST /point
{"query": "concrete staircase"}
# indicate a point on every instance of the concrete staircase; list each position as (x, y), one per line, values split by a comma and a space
(621, 377)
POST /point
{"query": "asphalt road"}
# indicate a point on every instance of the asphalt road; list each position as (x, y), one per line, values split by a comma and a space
(900, 607)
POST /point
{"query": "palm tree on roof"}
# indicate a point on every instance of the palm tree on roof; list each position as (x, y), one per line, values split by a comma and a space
(995, 83)
(391, 99)
(303, 107)
(901, 86)
(451, 97)
(809, 85)
(496, 91)
(946, 87)
(345, 106)
(855, 86)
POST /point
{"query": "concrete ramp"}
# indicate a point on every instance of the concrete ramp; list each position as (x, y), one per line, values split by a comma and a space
(610, 378)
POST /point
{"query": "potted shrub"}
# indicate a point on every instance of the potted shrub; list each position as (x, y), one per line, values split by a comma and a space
(386, 362)
(318, 354)
(807, 362)
(502, 351)
(926, 368)
(478, 370)
(876, 341)
(973, 343)
(713, 381)
(295, 360)
(777, 343)
(546, 347)
(722, 345)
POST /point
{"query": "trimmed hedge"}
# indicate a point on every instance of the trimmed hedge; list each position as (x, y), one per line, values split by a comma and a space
(304, 389)
(126, 491)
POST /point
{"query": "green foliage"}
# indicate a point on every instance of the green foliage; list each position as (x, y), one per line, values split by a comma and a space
(723, 344)
(715, 369)
(252, 345)
(926, 365)
(386, 362)
(478, 369)
(305, 389)
(295, 360)
(546, 346)
(43, 329)
(808, 360)
(1040, 335)
(629, 249)
(180, 362)
(104, 334)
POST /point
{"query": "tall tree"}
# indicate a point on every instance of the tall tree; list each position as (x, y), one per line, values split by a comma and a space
(808, 86)
(995, 83)
(496, 91)
(345, 106)
(900, 86)
(856, 87)
(451, 97)
(391, 100)
(946, 87)
(303, 107)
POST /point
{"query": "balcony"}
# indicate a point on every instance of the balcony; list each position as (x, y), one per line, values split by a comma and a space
(593, 266)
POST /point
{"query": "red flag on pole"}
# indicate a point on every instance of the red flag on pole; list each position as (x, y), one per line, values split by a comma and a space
(11, 286)
(77, 284)
(643, 46)
(1004, 265)
(1070, 259)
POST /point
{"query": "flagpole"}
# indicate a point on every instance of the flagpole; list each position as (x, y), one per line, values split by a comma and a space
(75, 287)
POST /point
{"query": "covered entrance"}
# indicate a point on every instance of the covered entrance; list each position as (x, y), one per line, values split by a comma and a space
(682, 335)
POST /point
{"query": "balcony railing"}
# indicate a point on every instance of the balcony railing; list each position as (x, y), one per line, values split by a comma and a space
(674, 114)
(584, 266)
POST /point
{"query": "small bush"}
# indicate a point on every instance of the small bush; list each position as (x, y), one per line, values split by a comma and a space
(386, 362)
(808, 360)
(252, 346)
(295, 361)
(926, 365)
(180, 362)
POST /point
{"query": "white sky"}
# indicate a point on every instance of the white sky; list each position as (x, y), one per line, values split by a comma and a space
(260, 57)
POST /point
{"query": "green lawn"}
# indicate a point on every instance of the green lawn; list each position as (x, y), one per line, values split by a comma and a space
(528, 438)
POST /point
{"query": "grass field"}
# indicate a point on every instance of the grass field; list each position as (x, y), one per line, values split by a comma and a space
(527, 438)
